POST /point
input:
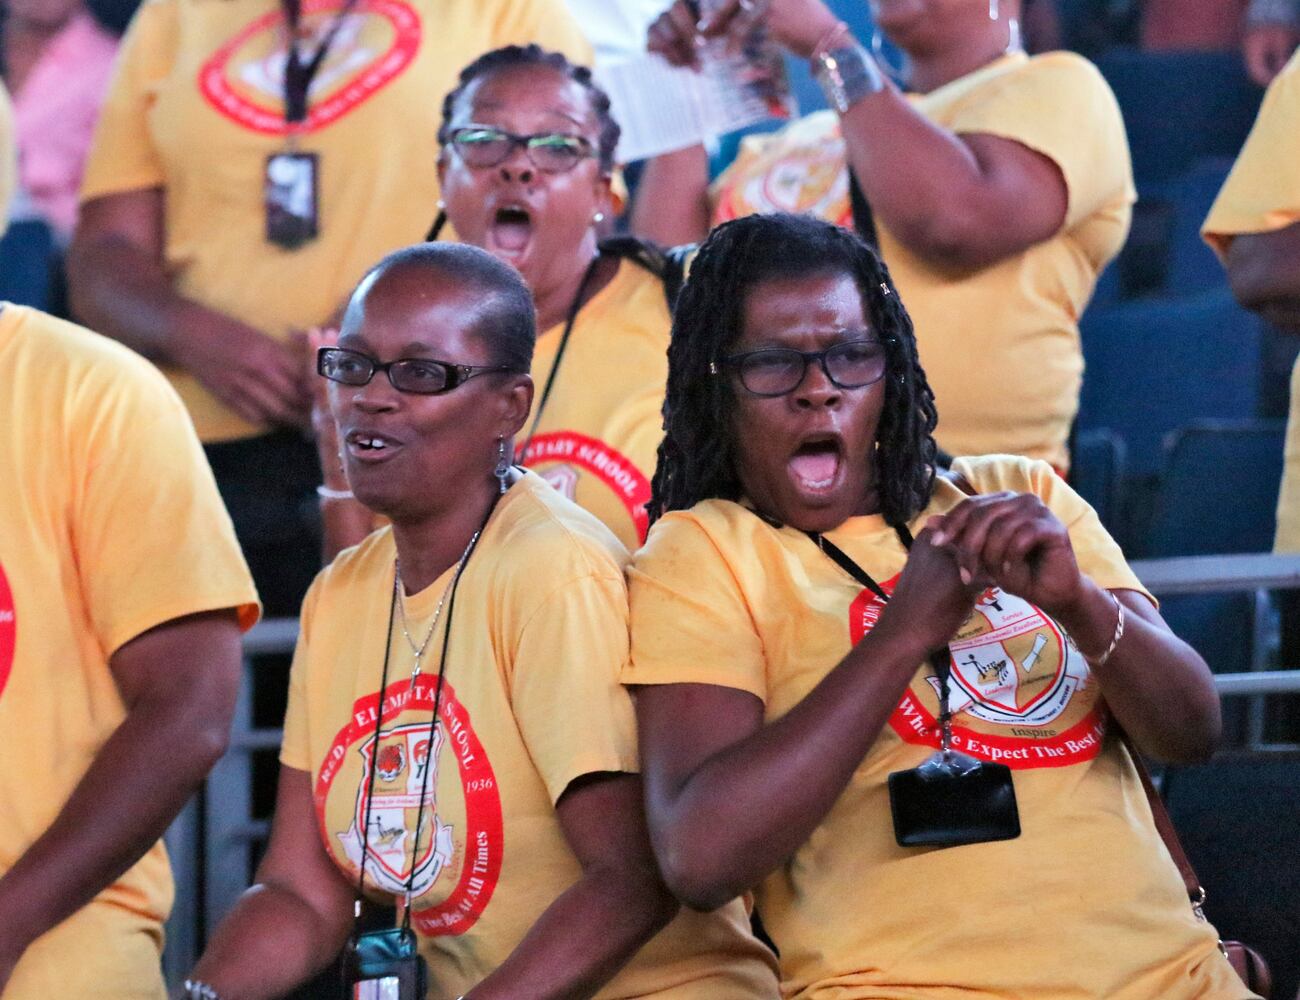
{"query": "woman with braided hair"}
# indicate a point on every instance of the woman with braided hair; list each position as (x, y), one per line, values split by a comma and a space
(816, 609)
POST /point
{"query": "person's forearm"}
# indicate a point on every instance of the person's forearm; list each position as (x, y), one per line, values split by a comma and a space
(269, 943)
(671, 205)
(1155, 685)
(938, 211)
(344, 523)
(745, 811)
(1264, 270)
(583, 938)
(136, 785)
(123, 292)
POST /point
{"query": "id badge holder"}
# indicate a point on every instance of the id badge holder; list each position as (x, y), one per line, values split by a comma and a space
(291, 198)
(952, 799)
(385, 965)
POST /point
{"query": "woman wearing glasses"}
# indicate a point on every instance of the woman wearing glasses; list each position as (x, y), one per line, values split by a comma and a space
(781, 630)
(995, 184)
(527, 154)
(510, 833)
(230, 204)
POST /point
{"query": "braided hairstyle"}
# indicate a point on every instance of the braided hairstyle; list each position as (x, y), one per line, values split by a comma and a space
(511, 56)
(697, 459)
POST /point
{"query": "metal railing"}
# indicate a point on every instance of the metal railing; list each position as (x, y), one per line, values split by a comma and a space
(213, 840)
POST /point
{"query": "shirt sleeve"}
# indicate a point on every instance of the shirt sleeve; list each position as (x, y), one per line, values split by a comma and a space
(574, 716)
(1060, 106)
(153, 539)
(1097, 553)
(690, 621)
(549, 23)
(1262, 193)
(123, 156)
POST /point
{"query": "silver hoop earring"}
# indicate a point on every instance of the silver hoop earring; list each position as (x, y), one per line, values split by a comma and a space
(898, 73)
(502, 471)
(1014, 43)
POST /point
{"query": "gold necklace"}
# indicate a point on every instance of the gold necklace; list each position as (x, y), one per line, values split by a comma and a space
(399, 598)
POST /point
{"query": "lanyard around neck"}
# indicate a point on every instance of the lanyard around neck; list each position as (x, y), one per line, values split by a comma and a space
(570, 318)
(431, 762)
(940, 659)
(298, 74)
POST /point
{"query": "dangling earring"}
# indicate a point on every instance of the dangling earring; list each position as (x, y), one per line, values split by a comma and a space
(502, 471)
(1013, 35)
(1013, 28)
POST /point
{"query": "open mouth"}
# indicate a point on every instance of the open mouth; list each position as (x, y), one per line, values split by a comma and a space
(368, 447)
(511, 229)
(816, 463)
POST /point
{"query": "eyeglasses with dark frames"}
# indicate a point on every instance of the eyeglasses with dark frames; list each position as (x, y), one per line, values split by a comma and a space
(421, 376)
(777, 371)
(550, 152)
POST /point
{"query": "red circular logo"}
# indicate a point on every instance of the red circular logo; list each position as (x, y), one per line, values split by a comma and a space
(1020, 692)
(403, 791)
(250, 91)
(607, 464)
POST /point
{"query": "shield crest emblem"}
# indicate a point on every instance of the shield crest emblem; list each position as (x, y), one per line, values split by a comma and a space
(1012, 664)
(401, 761)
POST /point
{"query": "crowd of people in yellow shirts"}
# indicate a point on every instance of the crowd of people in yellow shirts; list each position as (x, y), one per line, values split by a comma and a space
(664, 587)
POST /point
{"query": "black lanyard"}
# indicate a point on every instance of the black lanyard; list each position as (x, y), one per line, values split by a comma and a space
(431, 762)
(939, 659)
(298, 75)
(569, 320)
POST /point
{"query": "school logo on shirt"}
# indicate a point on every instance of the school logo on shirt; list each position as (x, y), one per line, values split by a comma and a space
(244, 79)
(434, 779)
(577, 452)
(1020, 691)
(8, 630)
(809, 178)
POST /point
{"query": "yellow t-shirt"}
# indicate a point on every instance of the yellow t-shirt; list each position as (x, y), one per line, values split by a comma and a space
(599, 436)
(1262, 194)
(531, 702)
(1000, 345)
(196, 107)
(1086, 902)
(111, 525)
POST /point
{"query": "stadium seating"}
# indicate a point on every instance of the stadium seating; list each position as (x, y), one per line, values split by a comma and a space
(1239, 820)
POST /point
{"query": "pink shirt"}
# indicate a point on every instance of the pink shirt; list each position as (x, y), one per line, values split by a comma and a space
(55, 113)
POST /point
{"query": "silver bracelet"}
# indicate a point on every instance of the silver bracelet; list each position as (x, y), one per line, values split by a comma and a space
(1100, 661)
(846, 73)
(329, 493)
(196, 989)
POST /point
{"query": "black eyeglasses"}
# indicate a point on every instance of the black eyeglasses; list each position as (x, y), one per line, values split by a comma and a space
(551, 152)
(778, 370)
(421, 376)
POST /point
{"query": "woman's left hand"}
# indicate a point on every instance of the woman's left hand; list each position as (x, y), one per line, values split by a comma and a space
(1013, 541)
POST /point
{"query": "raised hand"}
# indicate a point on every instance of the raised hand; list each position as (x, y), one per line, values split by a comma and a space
(931, 600)
(1012, 541)
(256, 376)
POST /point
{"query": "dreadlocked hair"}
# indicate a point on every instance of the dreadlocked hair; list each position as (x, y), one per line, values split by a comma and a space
(512, 56)
(697, 458)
